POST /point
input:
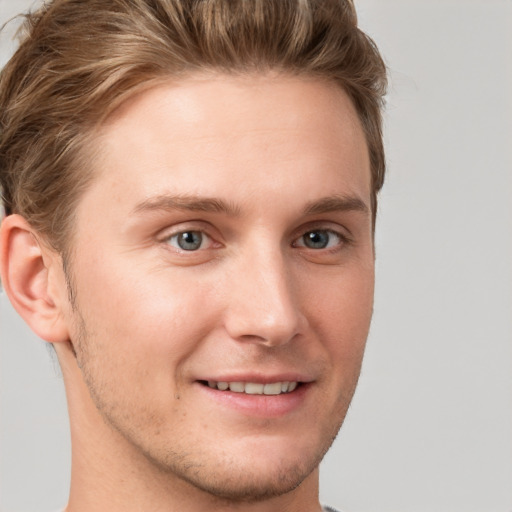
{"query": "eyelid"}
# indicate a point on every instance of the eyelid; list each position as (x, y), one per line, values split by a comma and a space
(205, 241)
(182, 227)
(205, 229)
(324, 225)
(342, 239)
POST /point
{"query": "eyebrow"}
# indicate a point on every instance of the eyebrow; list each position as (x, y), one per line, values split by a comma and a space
(187, 203)
(328, 204)
(337, 203)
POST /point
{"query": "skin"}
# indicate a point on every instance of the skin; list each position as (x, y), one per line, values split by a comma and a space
(284, 157)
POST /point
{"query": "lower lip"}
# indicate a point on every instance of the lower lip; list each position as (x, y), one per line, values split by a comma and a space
(263, 406)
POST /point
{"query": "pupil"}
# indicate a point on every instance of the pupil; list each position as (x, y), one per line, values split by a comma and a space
(316, 239)
(190, 241)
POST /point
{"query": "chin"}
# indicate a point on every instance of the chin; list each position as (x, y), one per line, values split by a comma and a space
(248, 483)
(249, 470)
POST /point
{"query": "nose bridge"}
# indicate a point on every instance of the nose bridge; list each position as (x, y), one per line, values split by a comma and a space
(264, 306)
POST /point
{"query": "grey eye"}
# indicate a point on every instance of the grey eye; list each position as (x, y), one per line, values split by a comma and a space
(320, 239)
(187, 240)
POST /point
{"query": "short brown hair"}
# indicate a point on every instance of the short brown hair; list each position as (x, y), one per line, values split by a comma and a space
(79, 59)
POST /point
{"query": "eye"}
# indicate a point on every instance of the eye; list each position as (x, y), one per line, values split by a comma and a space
(189, 240)
(320, 239)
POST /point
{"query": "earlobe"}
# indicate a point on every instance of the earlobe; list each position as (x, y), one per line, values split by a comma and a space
(27, 269)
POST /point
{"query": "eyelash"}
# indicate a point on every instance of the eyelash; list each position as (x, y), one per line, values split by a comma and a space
(187, 232)
(342, 240)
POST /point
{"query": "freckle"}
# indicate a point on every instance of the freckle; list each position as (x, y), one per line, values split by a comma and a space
(177, 396)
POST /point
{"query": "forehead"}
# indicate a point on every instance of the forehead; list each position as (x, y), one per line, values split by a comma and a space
(214, 133)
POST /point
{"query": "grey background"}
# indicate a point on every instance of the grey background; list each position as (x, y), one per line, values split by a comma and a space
(430, 429)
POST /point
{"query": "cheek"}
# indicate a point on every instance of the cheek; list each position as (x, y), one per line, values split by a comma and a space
(141, 313)
(346, 294)
(132, 335)
(343, 312)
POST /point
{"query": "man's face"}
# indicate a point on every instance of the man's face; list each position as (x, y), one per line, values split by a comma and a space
(226, 238)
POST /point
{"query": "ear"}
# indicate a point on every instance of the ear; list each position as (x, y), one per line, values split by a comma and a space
(33, 279)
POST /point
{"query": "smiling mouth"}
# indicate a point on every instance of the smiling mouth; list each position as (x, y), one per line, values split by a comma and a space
(253, 388)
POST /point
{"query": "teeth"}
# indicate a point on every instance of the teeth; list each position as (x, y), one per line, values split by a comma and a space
(237, 387)
(272, 389)
(252, 388)
(255, 388)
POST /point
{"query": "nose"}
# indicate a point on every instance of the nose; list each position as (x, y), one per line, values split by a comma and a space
(263, 301)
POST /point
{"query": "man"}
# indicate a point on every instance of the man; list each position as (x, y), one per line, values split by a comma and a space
(190, 190)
